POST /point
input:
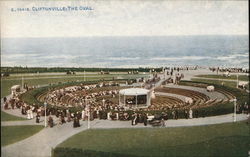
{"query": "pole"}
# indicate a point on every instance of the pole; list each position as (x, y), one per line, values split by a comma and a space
(45, 118)
(89, 117)
(235, 109)
(119, 99)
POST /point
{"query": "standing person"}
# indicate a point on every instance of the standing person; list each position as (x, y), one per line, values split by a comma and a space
(28, 114)
(173, 114)
(50, 121)
(59, 120)
(63, 119)
(12, 105)
(145, 119)
(4, 99)
(134, 118)
(186, 114)
(83, 114)
(246, 108)
(68, 116)
(37, 118)
(6, 105)
(190, 113)
(162, 122)
(75, 123)
(108, 115)
(31, 112)
(176, 114)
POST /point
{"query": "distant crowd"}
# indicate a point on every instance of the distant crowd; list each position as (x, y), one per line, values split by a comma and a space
(60, 116)
(231, 70)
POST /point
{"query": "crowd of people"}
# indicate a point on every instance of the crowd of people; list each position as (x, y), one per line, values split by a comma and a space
(83, 96)
(90, 112)
(231, 70)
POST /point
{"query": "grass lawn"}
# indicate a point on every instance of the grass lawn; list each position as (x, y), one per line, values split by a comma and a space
(232, 77)
(6, 83)
(219, 82)
(230, 139)
(12, 134)
(7, 117)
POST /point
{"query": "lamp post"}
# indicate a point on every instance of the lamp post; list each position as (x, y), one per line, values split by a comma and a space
(45, 118)
(235, 100)
(88, 116)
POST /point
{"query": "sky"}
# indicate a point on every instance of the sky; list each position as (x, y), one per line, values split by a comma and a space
(125, 18)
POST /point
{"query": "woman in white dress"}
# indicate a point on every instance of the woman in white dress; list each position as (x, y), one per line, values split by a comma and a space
(28, 114)
(190, 113)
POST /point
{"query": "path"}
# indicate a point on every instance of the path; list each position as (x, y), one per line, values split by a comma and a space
(40, 144)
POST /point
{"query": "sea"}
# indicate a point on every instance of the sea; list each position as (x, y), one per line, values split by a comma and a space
(127, 52)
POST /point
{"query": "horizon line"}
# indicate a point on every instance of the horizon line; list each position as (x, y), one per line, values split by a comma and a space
(90, 36)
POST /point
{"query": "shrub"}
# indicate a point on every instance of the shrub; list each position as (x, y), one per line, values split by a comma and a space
(74, 152)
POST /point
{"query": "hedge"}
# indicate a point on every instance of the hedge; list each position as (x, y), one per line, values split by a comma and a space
(74, 152)
(217, 109)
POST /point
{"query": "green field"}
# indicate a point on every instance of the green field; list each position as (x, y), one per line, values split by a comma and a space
(7, 82)
(230, 139)
(232, 84)
(232, 77)
(7, 117)
(12, 134)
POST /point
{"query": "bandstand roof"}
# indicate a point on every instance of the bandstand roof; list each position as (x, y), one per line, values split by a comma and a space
(134, 91)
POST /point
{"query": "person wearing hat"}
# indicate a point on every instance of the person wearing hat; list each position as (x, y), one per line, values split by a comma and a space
(50, 122)
(37, 118)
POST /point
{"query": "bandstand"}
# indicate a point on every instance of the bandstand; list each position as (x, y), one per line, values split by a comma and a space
(135, 97)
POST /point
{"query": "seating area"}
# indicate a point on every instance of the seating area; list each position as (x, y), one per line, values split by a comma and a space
(228, 94)
(76, 95)
(196, 96)
(166, 102)
(94, 94)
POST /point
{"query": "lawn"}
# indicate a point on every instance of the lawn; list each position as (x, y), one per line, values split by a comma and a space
(218, 82)
(230, 139)
(6, 83)
(12, 134)
(231, 77)
(7, 117)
